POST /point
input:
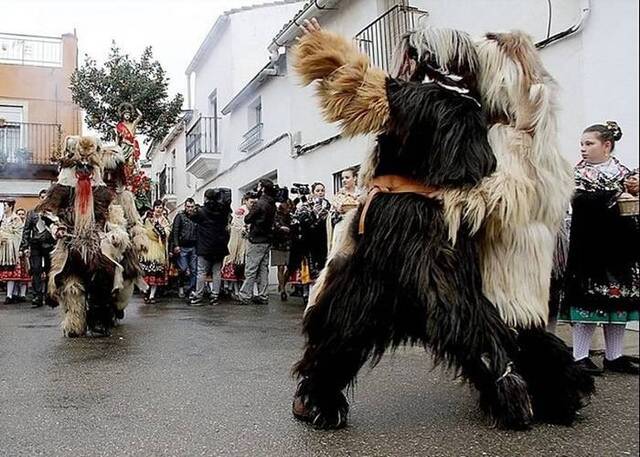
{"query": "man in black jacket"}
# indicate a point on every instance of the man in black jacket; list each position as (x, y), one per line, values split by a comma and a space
(184, 238)
(38, 242)
(212, 239)
(260, 219)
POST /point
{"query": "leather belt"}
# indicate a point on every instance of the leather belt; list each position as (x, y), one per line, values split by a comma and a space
(395, 184)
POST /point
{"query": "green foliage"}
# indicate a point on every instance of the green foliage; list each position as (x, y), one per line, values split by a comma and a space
(101, 90)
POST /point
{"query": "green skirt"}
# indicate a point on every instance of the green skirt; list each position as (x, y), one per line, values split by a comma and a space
(577, 315)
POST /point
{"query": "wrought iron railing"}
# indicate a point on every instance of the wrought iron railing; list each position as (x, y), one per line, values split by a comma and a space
(166, 182)
(379, 39)
(26, 143)
(30, 50)
(202, 137)
(252, 138)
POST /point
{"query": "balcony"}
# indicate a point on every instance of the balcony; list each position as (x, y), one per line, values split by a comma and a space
(27, 148)
(166, 186)
(203, 155)
(379, 39)
(30, 50)
(252, 138)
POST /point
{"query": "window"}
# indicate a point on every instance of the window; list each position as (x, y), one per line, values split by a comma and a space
(10, 131)
(213, 103)
(253, 137)
(255, 113)
(337, 178)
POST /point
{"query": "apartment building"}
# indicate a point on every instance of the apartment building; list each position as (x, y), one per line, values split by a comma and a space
(36, 110)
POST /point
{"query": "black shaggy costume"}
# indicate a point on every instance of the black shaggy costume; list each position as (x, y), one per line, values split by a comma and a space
(398, 279)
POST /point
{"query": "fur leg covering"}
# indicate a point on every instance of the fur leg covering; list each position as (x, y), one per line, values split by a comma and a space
(558, 387)
(101, 313)
(350, 90)
(406, 284)
(72, 298)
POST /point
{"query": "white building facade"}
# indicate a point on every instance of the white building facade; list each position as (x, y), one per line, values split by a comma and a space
(197, 148)
(270, 126)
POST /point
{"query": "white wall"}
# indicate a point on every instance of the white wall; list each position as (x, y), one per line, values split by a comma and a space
(597, 71)
(610, 71)
(251, 32)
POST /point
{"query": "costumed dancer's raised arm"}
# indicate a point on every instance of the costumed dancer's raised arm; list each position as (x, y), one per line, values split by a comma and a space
(351, 91)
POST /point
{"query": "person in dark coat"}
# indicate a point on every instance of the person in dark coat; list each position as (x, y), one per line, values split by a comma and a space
(260, 219)
(184, 238)
(37, 242)
(212, 221)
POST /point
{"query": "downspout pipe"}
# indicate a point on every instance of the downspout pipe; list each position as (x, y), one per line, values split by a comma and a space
(585, 10)
(292, 30)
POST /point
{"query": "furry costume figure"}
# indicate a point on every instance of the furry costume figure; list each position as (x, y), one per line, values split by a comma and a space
(518, 212)
(88, 264)
(397, 278)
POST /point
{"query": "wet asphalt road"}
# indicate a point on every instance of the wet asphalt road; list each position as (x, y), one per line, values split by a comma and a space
(180, 381)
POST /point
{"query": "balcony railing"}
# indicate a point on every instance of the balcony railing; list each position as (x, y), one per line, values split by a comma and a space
(166, 182)
(30, 50)
(25, 143)
(202, 137)
(379, 39)
(252, 138)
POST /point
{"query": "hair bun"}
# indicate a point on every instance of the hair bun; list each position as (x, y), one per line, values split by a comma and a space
(614, 128)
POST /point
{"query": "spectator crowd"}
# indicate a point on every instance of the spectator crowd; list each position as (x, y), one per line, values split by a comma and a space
(207, 251)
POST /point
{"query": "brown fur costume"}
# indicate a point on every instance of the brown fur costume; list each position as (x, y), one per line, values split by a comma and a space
(93, 261)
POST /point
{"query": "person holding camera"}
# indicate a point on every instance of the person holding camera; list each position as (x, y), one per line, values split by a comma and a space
(212, 220)
(260, 219)
(184, 238)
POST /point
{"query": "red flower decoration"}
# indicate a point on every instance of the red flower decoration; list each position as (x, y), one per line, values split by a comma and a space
(614, 291)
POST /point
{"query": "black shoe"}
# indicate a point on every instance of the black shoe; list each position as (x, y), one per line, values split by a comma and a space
(9, 300)
(283, 296)
(213, 300)
(36, 304)
(587, 365)
(623, 364)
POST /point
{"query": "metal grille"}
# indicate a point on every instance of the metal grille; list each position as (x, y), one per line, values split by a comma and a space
(202, 137)
(252, 138)
(30, 50)
(25, 143)
(165, 182)
(379, 39)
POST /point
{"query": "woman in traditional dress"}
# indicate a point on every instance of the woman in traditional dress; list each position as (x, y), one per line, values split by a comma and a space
(321, 209)
(233, 264)
(346, 199)
(603, 271)
(11, 266)
(154, 262)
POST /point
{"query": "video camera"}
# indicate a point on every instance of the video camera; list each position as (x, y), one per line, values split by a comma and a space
(300, 189)
(220, 195)
(281, 194)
